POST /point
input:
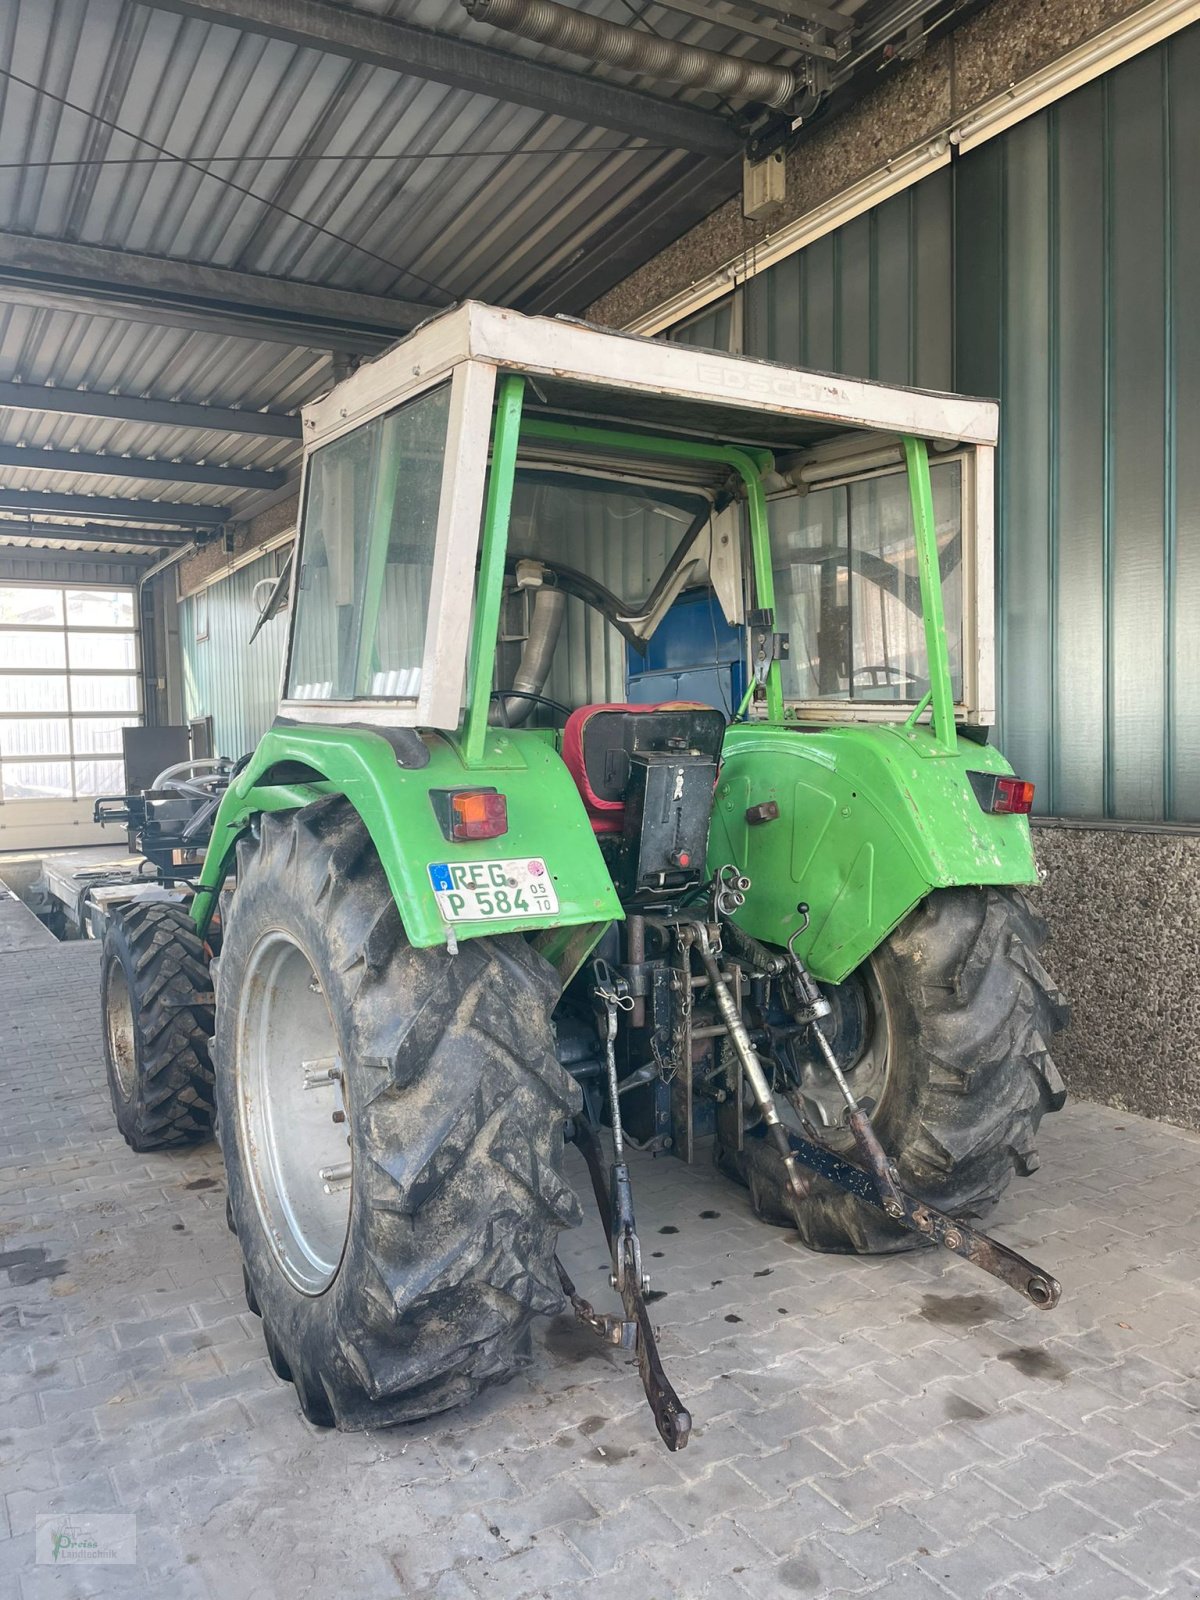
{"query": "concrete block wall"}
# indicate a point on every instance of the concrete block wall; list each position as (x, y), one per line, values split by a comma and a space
(1124, 914)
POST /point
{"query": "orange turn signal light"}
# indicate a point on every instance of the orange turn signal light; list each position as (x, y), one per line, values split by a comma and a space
(477, 814)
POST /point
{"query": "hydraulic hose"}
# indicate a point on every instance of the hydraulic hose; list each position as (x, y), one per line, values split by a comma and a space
(617, 45)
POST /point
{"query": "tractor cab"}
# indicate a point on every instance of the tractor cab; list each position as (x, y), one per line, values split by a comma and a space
(655, 504)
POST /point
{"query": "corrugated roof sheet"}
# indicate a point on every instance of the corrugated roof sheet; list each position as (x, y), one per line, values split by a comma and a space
(395, 183)
(304, 165)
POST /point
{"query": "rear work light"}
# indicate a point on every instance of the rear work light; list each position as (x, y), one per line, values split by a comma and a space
(1005, 797)
(467, 814)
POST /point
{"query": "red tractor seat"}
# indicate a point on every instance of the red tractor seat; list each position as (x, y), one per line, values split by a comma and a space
(599, 742)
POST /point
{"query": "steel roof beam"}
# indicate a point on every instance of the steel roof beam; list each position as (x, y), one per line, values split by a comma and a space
(730, 14)
(804, 11)
(114, 466)
(35, 397)
(92, 535)
(399, 46)
(184, 294)
(32, 502)
(671, 212)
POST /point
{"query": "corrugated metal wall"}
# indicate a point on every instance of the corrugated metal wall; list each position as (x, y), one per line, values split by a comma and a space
(871, 299)
(1055, 267)
(225, 677)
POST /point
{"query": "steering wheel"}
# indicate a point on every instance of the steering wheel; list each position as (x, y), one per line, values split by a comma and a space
(881, 674)
(880, 670)
(504, 695)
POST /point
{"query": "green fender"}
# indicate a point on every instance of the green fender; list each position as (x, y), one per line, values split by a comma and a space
(546, 819)
(871, 818)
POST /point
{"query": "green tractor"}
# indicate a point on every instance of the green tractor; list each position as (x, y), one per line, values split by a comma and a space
(630, 787)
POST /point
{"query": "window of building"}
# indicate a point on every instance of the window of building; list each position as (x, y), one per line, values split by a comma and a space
(69, 682)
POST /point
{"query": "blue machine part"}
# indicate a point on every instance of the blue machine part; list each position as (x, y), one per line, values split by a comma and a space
(694, 654)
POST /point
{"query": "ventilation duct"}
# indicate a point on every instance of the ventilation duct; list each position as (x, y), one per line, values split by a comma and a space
(617, 45)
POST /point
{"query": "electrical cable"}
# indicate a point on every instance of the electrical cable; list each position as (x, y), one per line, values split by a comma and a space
(238, 188)
(205, 172)
(347, 156)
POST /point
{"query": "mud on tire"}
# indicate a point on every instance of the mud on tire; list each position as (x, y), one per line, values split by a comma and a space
(157, 1005)
(455, 1109)
(971, 1011)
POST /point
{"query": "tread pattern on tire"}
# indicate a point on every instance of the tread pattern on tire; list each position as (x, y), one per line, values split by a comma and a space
(170, 991)
(458, 1106)
(974, 1010)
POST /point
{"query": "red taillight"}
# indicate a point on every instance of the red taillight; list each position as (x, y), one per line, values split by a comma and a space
(478, 814)
(1013, 797)
(1006, 797)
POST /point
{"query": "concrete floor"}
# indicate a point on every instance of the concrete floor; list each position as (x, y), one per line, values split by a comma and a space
(900, 1427)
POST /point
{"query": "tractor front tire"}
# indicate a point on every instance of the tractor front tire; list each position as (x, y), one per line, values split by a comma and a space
(157, 1005)
(392, 1121)
(970, 1013)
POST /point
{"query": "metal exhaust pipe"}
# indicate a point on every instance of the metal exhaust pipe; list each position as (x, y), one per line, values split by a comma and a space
(617, 45)
(545, 625)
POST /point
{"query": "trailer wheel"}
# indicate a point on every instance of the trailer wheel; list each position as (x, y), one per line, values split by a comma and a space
(157, 1004)
(961, 1013)
(392, 1122)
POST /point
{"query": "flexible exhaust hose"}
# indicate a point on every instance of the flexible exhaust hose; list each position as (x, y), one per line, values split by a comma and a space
(545, 625)
(620, 46)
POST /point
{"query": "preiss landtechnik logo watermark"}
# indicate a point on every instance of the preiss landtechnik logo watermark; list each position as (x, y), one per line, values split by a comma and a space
(78, 1538)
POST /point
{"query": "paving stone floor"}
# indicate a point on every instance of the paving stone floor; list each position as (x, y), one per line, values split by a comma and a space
(896, 1427)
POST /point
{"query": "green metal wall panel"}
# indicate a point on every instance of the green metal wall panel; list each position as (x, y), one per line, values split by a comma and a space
(709, 330)
(1025, 553)
(1079, 452)
(1055, 268)
(225, 677)
(1183, 570)
(1137, 434)
(872, 299)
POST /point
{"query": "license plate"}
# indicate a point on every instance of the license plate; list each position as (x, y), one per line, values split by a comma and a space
(486, 891)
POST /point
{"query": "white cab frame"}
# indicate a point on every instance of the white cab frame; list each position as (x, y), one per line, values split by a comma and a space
(472, 343)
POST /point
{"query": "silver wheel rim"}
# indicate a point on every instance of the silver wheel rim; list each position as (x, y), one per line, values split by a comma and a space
(818, 1097)
(289, 1084)
(118, 1019)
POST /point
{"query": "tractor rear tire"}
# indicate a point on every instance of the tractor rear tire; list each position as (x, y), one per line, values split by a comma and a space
(157, 1004)
(399, 1204)
(970, 1012)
